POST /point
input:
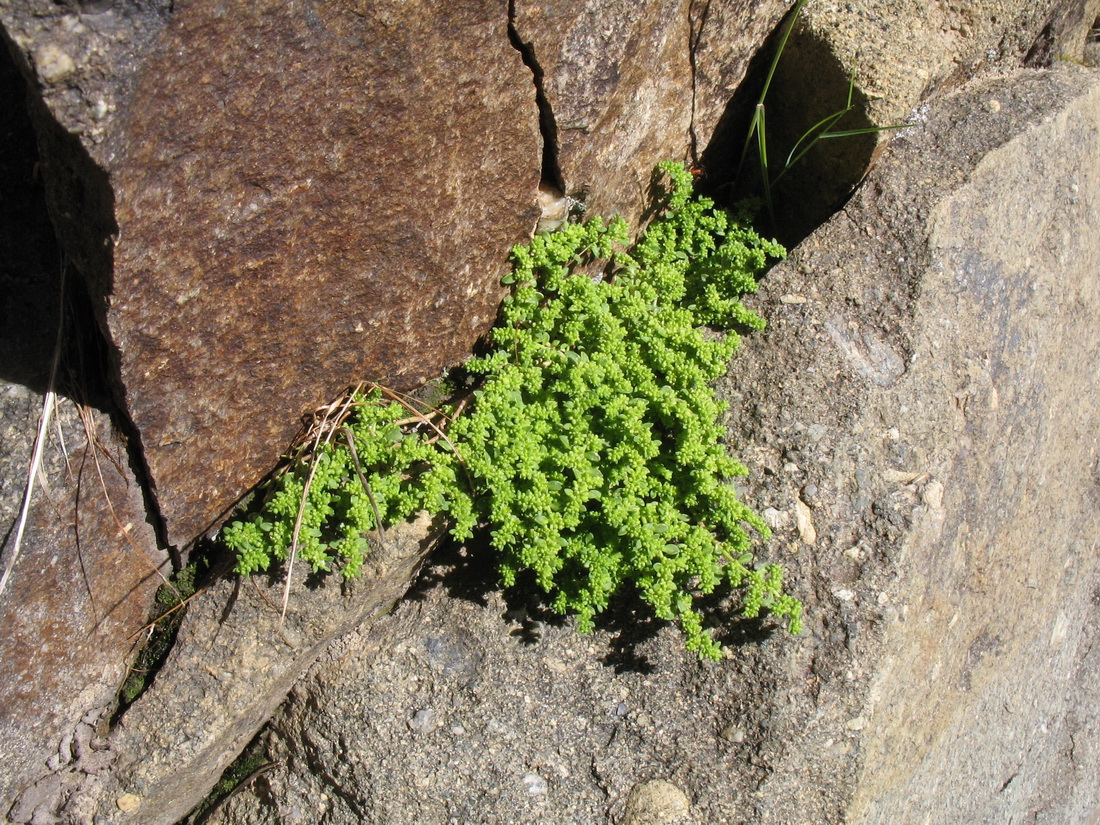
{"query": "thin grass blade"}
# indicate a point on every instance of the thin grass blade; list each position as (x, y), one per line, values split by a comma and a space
(813, 135)
(762, 146)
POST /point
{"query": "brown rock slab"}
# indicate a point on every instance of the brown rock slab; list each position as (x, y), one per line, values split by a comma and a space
(78, 593)
(75, 603)
(603, 98)
(233, 662)
(284, 199)
(726, 37)
(632, 84)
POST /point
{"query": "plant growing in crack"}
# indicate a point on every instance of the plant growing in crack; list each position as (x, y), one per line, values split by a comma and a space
(824, 129)
(591, 449)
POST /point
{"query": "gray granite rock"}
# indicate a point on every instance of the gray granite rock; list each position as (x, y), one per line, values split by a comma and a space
(946, 668)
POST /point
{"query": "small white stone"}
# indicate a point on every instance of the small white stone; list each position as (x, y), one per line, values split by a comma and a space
(53, 64)
(901, 476)
(932, 495)
(805, 522)
(424, 721)
(536, 785)
(732, 733)
(554, 209)
(776, 519)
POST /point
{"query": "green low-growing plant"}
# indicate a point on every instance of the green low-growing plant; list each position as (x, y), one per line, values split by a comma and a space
(591, 449)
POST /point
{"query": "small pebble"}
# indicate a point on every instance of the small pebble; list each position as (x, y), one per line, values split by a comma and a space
(805, 522)
(732, 733)
(656, 801)
(53, 64)
(423, 721)
(536, 785)
(776, 519)
(933, 495)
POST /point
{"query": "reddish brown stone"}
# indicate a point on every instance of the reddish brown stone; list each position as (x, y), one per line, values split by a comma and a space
(307, 195)
(77, 598)
(634, 83)
(604, 97)
(726, 36)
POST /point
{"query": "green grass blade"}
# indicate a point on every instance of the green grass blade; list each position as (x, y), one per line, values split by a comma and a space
(762, 147)
(813, 135)
(757, 123)
(868, 130)
(755, 127)
(779, 52)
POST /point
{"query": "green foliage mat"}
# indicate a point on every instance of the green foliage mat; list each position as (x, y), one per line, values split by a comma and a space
(592, 449)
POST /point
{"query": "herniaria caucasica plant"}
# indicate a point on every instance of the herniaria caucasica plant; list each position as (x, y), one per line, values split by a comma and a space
(590, 448)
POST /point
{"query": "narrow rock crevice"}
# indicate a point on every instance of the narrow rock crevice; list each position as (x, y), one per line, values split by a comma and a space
(548, 125)
(697, 22)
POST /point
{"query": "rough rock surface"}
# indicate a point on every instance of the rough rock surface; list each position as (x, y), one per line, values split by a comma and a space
(937, 417)
(985, 708)
(231, 667)
(614, 117)
(884, 377)
(900, 52)
(78, 593)
(896, 56)
(77, 599)
(925, 392)
(289, 198)
(476, 708)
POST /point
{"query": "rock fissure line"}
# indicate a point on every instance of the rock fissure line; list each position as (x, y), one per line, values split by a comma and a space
(548, 125)
(695, 35)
